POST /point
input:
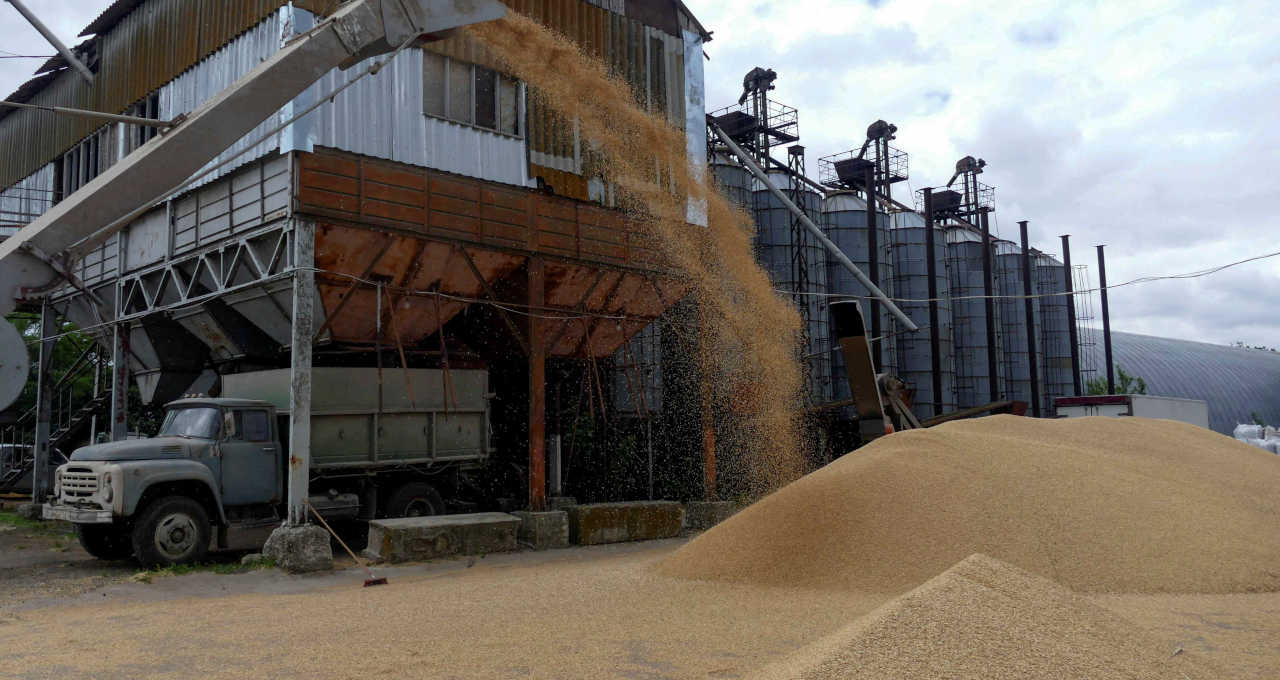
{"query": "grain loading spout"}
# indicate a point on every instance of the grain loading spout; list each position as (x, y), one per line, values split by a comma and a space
(37, 259)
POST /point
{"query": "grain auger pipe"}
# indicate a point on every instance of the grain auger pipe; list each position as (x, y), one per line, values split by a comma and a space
(38, 259)
(832, 248)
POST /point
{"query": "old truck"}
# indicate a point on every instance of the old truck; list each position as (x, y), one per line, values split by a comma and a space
(384, 444)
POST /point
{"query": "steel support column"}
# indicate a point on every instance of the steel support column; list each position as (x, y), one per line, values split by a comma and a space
(304, 301)
(1106, 321)
(931, 268)
(537, 390)
(1072, 331)
(873, 265)
(1033, 366)
(706, 399)
(989, 309)
(40, 483)
(120, 381)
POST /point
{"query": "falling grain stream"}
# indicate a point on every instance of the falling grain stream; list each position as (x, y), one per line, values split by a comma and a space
(752, 333)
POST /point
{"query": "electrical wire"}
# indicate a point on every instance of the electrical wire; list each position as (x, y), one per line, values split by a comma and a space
(1087, 291)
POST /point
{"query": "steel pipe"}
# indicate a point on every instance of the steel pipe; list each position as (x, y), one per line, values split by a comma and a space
(53, 39)
(832, 248)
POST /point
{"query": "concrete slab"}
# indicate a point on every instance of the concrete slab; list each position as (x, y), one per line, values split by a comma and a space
(702, 515)
(544, 530)
(628, 521)
(423, 538)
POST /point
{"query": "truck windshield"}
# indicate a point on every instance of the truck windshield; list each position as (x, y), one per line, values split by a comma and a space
(200, 422)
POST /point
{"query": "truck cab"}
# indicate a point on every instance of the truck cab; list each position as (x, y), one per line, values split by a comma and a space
(162, 498)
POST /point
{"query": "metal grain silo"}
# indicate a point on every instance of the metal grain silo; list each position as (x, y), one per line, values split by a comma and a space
(844, 219)
(1013, 320)
(797, 263)
(969, 313)
(734, 180)
(1054, 330)
(911, 287)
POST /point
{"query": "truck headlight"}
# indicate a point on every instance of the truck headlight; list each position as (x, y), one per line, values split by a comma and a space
(57, 483)
(106, 483)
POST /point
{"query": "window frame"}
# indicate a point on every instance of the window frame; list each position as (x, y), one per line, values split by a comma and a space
(473, 71)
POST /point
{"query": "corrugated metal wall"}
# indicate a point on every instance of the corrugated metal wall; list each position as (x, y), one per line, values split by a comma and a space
(161, 39)
(145, 50)
(382, 116)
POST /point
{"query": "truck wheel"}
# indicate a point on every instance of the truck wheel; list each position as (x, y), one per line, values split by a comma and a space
(105, 542)
(414, 499)
(172, 530)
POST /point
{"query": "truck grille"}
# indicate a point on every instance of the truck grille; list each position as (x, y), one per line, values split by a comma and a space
(79, 483)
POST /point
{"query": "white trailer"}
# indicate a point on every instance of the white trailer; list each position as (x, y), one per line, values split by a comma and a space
(1192, 411)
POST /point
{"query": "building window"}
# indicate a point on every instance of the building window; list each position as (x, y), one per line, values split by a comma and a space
(148, 107)
(470, 94)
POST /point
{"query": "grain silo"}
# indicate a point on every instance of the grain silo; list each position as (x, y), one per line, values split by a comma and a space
(911, 288)
(1054, 330)
(797, 264)
(733, 179)
(1011, 311)
(844, 219)
(973, 379)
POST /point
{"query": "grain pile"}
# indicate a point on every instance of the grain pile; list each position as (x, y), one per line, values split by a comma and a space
(985, 619)
(1096, 504)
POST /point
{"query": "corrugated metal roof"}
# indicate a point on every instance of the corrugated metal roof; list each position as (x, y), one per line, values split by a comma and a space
(110, 16)
(1236, 382)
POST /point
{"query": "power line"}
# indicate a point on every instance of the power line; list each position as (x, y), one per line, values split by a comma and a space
(1084, 291)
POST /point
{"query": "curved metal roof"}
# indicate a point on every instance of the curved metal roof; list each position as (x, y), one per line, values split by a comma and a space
(1235, 381)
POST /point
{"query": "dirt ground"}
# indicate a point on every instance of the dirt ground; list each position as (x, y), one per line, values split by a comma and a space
(577, 613)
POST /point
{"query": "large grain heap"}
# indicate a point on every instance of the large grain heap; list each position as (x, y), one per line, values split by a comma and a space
(1096, 504)
(985, 619)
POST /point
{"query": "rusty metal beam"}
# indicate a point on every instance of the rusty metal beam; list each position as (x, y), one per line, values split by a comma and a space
(581, 307)
(388, 239)
(506, 318)
(591, 325)
(537, 390)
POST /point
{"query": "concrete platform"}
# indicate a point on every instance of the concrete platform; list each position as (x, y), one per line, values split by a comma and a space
(544, 530)
(701, 515)
(423, 538)
(618, 522)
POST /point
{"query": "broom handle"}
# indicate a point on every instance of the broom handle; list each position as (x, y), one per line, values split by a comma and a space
(335, 535)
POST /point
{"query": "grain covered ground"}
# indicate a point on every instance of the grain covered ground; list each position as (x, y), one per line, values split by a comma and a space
(580, 613)
(1132, 516)
(986, 620)
(1114, 505)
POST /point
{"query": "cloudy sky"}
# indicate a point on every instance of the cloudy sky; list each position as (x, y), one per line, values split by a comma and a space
(1148, 126)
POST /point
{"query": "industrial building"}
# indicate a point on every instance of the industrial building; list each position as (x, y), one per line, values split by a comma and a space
(435, 215)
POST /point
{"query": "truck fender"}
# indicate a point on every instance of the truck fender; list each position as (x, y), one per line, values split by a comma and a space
(139, 476)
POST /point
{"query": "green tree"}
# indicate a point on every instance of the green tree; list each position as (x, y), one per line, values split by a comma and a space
(1126, 383)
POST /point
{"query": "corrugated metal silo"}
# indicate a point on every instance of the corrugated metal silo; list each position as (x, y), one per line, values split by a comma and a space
(973, 372)
(1054, 330)
(780, 255)
(911, 282)
(734, 180)
(844, 219)
(1013, 320)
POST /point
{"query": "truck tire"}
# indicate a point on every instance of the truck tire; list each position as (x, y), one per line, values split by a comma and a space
(414, 499)
(105, 542)
(171, 530)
